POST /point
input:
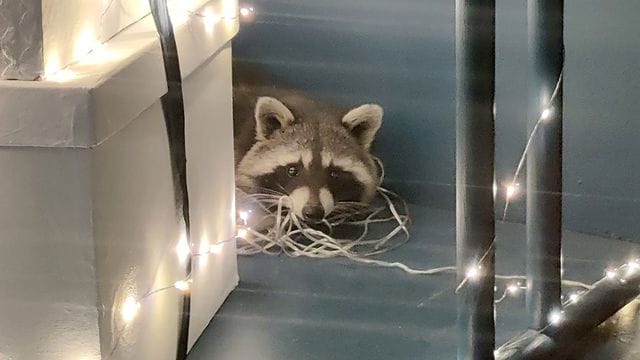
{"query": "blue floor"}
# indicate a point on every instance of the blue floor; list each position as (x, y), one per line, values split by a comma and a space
(299, 308)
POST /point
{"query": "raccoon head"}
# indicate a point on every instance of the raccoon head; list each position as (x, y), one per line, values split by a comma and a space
(319, 160)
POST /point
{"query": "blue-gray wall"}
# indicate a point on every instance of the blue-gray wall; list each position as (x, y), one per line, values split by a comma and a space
(401, 54)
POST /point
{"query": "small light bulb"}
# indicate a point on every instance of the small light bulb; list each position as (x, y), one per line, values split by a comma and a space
(632, 267)
(182, 285)
(546, 114)
(513, 289)
(473, 272)
(555, 317)
(183, 249)
(129, 309)
(245, 11)
(244, 216)
(242, 233)
(204, 248)
(573, 297)
(495, 189)
(512, 190)
(210, 20)
(611, 274)
(217, 248)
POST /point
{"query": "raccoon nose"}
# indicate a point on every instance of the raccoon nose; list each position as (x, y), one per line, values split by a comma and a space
(313, 212)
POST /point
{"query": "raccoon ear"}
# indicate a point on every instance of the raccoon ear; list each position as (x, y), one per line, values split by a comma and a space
(363, 123)
(271, 115)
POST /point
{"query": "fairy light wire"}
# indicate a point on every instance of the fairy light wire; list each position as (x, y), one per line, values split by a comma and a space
(543, 116)
(290, 235)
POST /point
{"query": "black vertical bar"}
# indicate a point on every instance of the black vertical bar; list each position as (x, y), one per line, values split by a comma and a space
(173, 109)
(475, 148)
(544, 160)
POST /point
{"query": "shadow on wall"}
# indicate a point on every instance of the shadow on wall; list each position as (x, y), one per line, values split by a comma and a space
(401, 55)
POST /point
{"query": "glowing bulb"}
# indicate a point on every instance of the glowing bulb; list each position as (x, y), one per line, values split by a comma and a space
(632, 267)
(245, 11)
(512, 190)
(546, 114)
(244, 216)
(473, 272)
(182, 285)
(513, 289)
(495, 189)
(129, 309)
(204, 247)
(555, 317)
(573, 297)
(61, 76)
(243, 233)
(611, 274)
(217, 248)
(183, 248)
(210, 20)
(85, 42)
(229, 9)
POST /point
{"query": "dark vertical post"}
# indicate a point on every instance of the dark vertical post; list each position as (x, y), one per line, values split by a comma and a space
(544, 160)
(174, 115)
(475, 148)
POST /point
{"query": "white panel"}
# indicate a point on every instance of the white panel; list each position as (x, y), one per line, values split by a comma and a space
(208, 97)
(128, 71)
(137, 228)
(47, 275)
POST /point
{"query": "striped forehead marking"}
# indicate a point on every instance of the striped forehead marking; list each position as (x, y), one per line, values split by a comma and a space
(264, 163)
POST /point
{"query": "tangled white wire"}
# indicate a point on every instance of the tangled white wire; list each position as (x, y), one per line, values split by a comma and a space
(278, 230)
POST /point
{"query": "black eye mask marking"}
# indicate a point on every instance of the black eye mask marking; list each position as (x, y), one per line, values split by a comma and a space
(283, 179)
(343, 185)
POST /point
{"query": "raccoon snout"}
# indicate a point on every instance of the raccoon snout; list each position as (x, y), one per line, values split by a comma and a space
(313, 213)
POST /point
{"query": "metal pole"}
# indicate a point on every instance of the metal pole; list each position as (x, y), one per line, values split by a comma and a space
(544, 160)
(475, 149)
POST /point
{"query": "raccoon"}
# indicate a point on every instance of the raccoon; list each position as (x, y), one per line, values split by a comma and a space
(318, 155)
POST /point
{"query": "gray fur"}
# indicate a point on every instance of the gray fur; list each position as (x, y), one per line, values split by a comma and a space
(276, 127)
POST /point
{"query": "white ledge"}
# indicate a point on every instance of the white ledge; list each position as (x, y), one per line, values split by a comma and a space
(110, 87)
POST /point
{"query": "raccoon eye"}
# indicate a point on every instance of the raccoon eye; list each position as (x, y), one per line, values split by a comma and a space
(292, 171)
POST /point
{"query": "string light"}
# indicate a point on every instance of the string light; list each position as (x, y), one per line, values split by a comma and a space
(183, 249)
(246, 11)
(243, 233)
(573, 297)
(216, 248)
(89, 51)
(204, 248)
(512, 190)
(556, 317)
(632, 267)
(473, 272)
(546, 114)
(61, 76)
(244, 216)
(129, 310)
(183, 285)
(210, 20)
(611, 274)
(513, 289)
